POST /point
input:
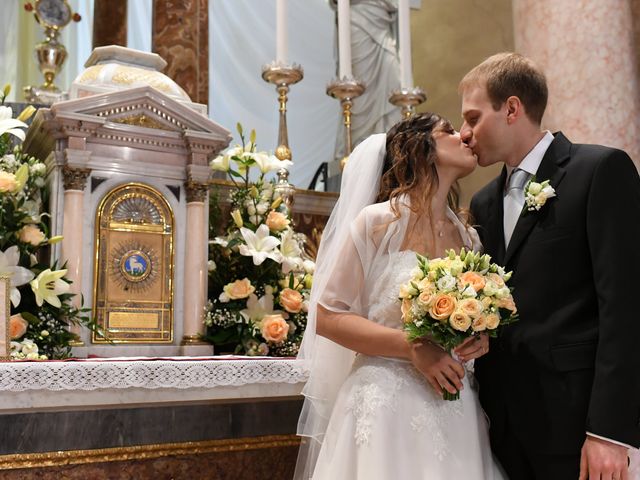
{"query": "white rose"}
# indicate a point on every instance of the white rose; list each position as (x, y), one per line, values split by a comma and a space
(211, 265)
(534, 188)
(416, 273)
(262, 208)
(446, 283)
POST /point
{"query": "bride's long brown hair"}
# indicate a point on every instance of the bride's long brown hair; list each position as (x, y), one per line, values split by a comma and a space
(410, 163)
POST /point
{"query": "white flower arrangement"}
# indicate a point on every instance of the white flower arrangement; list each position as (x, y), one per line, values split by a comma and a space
(537, 194)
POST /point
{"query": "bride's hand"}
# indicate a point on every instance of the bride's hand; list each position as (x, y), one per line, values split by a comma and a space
(438, 367)
(473, 347)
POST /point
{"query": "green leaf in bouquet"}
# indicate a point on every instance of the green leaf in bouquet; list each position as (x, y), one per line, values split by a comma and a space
(291, 280)
(233, 173)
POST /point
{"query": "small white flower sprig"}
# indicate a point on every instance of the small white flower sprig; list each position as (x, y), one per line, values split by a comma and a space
(537, 194)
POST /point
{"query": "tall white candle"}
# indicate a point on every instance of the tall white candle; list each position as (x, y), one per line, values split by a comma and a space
(344, 38)
(281, 31)
(404, 40)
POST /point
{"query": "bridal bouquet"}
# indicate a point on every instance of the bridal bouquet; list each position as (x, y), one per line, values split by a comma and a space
(449, 299)
(259, 274)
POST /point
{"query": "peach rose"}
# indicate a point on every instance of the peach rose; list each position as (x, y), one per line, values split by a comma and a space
(442, 307)
(486, 302)
(239, 289)
(291, 300)
(31, 234)
(274, 328)
(426, 298)
(8, 182)
(406, 309)
(479, 323)
(508, 303)
(493, 320)
(426, 285)
(474, 279)
(470, 306)
(497, 279)
(460, 321)
(17, 326)
(277, 221)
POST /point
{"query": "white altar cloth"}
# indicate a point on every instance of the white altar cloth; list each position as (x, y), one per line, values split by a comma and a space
(131, 381)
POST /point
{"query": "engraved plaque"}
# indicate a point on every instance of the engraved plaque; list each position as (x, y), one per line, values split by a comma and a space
(133, 281)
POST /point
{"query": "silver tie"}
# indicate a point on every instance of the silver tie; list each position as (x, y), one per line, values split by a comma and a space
(514, 201)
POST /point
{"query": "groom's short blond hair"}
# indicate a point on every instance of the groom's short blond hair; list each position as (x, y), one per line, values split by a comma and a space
(511, 74)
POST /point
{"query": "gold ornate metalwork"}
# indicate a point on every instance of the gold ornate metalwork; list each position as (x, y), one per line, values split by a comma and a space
(144, 452)
(192, 340)
(408, 99)
(141, 120)
(133, 279)
(75, 178)
(346, 90)
(5, 315)
(196, 191)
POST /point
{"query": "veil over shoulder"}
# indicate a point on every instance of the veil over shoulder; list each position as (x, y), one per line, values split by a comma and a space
(327, 362)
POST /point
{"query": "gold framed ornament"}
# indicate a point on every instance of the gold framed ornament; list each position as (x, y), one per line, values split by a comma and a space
(133, 280)
(5, 317)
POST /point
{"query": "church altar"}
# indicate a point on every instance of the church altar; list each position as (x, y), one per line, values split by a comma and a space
(152, 417)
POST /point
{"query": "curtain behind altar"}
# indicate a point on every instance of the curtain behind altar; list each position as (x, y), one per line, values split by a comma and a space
(242, 39)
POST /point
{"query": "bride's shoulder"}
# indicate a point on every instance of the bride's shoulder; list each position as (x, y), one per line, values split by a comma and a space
(377, 213)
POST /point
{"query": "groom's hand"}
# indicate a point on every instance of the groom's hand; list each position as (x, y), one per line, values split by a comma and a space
(438, 367)
(473, 347)
(603, 460)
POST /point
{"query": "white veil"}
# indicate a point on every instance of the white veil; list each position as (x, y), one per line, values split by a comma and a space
(327, 362)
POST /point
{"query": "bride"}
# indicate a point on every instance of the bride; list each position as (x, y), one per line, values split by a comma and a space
(373, 406)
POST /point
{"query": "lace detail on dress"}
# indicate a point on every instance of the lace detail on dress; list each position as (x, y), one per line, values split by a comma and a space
(434, 418)
(376, 388)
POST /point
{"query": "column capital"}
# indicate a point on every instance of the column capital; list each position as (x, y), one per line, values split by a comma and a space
(75, 178)
(196, 191)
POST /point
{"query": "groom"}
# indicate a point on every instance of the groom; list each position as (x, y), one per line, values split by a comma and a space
(561, 386)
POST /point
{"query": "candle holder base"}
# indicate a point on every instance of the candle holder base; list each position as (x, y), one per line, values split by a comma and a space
(408, 99)
(346, 90)
(282, 74)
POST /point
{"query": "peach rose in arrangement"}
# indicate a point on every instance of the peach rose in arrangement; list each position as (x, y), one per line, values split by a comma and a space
(277, 221)
(239, 289)
(497, 279)
(493, 320)
(479, 323)
(470, 306)
(474, 279)
(274, 328)
(426, 298)
(406, 309)
(442, 307)
(291, 300)
(508, 303)
(8, 182)
(460, 321)
(32, 235)
(17, 326)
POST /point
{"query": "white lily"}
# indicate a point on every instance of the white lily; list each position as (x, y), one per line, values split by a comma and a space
(290, 252)
(10, 125)
(259, 245)
(48, 285)
(257, 308)
(268, 163)
(18, 275)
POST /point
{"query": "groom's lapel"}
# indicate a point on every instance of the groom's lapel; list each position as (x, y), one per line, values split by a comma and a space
(495, 224)
(556, 155)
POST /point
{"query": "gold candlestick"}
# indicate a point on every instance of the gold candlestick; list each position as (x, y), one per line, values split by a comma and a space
(345, 90)
(408, 99)
(282, 76)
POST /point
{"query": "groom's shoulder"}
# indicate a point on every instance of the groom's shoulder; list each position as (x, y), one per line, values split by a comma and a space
(483, 194)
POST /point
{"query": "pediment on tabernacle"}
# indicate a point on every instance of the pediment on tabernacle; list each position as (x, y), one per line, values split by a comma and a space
(143, 107)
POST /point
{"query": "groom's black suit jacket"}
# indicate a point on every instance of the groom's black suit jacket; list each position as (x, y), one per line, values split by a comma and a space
(571, 364)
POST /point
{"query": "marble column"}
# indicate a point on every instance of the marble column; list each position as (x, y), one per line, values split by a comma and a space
(589, 53)
(74, 181)
(195, 267)
(181, 36)
(109, 23)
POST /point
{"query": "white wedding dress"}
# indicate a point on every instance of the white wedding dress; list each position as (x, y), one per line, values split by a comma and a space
(387, 422)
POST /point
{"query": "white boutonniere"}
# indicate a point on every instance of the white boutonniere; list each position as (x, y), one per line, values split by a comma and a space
(537, 194)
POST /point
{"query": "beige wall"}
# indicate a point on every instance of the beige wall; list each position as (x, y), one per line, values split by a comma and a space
(449, 37)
